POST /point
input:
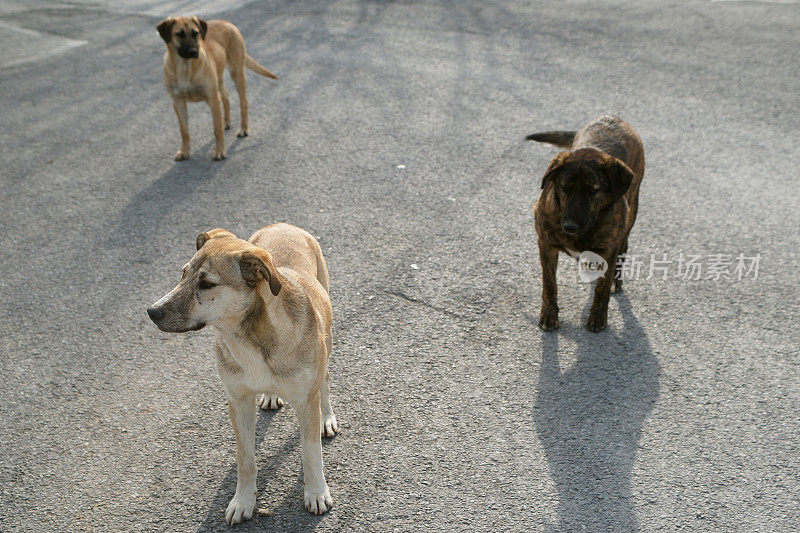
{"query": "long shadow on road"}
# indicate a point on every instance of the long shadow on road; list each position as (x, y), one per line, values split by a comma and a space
(590, 419)
(148, 210)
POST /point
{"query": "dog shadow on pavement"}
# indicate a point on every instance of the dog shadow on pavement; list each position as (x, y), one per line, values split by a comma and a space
(142, 217)
(590, 417)
(288, 514)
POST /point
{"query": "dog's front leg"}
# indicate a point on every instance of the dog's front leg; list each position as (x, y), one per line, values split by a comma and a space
(316, 495)
(215, 102)
(598, 313)
(183, 123)
(243, 417)
(548, 256)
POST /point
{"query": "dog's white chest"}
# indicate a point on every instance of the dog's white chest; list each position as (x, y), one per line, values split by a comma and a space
(187, 89)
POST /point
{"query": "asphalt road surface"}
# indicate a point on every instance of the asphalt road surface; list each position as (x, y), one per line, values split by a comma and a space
(395, 135)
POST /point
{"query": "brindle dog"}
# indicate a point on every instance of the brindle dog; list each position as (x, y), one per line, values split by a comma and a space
(589, 200)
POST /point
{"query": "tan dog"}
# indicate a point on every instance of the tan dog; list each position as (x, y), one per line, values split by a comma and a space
(267, 300)
(196, 57)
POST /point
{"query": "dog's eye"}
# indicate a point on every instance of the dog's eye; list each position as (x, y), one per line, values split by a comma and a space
(181, 34)
(194, 33)
(205, 285)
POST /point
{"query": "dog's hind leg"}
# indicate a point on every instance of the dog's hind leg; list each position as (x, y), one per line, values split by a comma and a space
(598, 313)
(269, 402)
(316, 495)
(215, 102)
(183, 123)
(241, 87)
(330, 426)
(226, 104)
(619, 267)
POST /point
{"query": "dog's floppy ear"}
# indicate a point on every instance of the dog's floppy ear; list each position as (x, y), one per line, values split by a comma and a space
(557, 162)
(165, 28)
(206, 236)
(257, 265)
(203, 26)
(619, 176)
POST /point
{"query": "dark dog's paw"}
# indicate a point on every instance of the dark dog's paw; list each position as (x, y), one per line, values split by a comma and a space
(227, 126)
(597, 321)
(548, 319)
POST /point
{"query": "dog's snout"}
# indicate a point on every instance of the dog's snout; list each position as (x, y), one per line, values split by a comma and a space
(187, 53)
(570, 226)
(155, 313)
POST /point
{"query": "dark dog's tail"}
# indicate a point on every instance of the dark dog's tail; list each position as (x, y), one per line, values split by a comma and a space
(559, 138)
(258, 69)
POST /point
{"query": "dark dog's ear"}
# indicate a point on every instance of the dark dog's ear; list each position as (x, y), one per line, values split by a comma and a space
(557, 162)
(203, 26)
(619, 176)
(165, 29)
(257, 265)
(206, 236)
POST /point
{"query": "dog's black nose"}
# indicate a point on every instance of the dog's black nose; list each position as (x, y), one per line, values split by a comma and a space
(155, 313)
(570, 226)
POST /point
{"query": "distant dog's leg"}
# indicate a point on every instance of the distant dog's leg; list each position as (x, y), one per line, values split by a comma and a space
(598, 313)
(241, 88)
(548, 256)
(269, 402)
(329, 425)
(316, 495)
(243, 417)
(183, 123)
(226, 104)
(215, 102)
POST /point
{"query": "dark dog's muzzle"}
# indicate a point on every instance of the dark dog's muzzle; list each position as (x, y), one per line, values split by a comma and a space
(188, 53)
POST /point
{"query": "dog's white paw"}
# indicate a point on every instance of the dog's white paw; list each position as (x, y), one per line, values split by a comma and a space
(319, 500)
(329, 426)
(240, 509)
(181, 156)
(242, 133)
(219, 156)
(270, 402)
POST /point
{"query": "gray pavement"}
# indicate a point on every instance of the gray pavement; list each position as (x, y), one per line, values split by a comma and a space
(456, 412)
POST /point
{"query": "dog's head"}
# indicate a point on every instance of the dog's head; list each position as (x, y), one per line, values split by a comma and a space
(220, 284)
(183, 34)
(585, 181)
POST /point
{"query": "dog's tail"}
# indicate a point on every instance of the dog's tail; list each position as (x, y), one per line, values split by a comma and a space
(559, 138)
(253, 65)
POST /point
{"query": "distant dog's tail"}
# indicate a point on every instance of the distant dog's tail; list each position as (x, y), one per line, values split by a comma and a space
(258, 69)
(559, 138)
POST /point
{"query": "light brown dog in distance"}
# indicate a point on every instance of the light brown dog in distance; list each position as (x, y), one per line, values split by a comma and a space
(196, 57)
(267, 300)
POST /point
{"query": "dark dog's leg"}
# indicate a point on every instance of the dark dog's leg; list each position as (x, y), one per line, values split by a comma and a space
(183, 123)
(598, 313)
(548, 319)
(618, 271)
